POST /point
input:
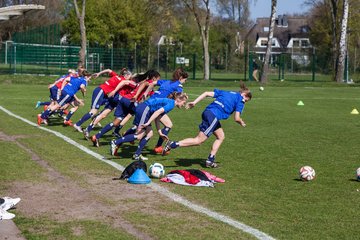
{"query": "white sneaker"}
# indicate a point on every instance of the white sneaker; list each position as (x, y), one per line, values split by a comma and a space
(139, 157)
(113, 148)
(4, 215)
(9, 203)
(78, 128)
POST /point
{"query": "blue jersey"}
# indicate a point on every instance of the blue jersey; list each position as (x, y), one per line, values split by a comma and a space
(226, 102)
(157, 103)
(167, 87)
(74, 85)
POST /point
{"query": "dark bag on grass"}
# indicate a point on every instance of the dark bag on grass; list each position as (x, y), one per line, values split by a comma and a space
(131, 168)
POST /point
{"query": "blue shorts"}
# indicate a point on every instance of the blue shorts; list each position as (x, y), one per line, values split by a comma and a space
(54, 93)
(65, 98)
(142, 114)
(112, 102)
(98, 98)
(124, 107)
(209, 123)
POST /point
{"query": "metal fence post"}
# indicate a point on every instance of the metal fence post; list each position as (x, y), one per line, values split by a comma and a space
(194, 65)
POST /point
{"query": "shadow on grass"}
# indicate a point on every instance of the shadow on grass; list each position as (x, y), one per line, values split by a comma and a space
(189, 162)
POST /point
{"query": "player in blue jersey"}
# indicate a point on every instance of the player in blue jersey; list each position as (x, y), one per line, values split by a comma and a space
(225, 103)
(67, 95)
(145, 114)
(166, 87)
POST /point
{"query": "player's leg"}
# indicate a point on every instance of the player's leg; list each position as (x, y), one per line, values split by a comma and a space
(166, 121)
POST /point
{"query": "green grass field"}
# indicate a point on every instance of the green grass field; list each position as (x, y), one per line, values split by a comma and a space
(260, 164)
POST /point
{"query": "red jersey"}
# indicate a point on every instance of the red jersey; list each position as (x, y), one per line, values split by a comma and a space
(127, 89)
(134, 91)
(111, 84)
(60, 81)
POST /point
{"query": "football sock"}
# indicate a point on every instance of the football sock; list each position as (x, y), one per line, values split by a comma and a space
(174, 144)
(117, 129)
(46, 114)
(90, 127)
(104, 130)
(69, 115)
(127, 138)
(84, 118)
(141, 146)
(130, 131)
(211, 158)
(164, 131)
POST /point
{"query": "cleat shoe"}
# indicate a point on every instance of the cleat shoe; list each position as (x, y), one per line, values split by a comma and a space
(139, 157)
(211, 164)
(167, 148)
(39, 119)
(113, 148)
(95, 141)
(158, 150)
(9, 203)
(117, 135)
(68, 123)
(4, 215)
(37, 104)
(86, 134)
(45, 121)
(77, 128)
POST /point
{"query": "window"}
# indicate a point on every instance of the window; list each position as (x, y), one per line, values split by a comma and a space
(305, 43)
(266, 29)
(263, 43)
(296, 43)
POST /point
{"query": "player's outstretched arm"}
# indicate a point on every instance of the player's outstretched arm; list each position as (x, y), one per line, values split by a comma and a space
(238, 119)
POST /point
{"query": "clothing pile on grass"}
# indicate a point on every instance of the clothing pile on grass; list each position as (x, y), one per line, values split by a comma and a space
(135, 173)
(192, 177)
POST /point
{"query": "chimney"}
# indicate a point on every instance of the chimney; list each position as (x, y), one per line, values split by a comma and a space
(285, 21)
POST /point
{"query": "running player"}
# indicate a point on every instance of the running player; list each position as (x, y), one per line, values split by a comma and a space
(67, 95)
(125, 107)
(166, 87)
(101, 94)
(225, 103)
(146, 113)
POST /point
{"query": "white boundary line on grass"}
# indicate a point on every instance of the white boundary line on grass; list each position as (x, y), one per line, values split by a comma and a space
(175, 197)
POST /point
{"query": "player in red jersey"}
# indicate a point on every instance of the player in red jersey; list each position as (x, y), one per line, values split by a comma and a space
(102, 93)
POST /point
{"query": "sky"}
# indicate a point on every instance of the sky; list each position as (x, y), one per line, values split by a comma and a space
(262, 8)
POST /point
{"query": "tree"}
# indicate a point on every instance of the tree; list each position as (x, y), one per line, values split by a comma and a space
(343, 43)
(264, 76)
(236, 10)
(202, 17)
(81, 18)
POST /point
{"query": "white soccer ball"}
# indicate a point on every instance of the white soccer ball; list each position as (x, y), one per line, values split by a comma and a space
(156, 170)
(307, 173)
(358, 174)
(261, 88)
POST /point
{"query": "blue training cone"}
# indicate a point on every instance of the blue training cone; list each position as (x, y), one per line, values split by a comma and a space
(139, 177)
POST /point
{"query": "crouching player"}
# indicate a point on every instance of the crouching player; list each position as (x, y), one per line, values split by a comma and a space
(145, 114)
(225, 103)
(67, 95)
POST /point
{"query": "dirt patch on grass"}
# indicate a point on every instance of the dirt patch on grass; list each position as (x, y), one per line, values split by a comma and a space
(62, 199)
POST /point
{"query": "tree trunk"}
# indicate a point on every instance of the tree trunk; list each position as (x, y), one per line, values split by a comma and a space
(203, 26)
(342, 43)
(264, 75)
(206, 57)
(81, 18)
(334, 50)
